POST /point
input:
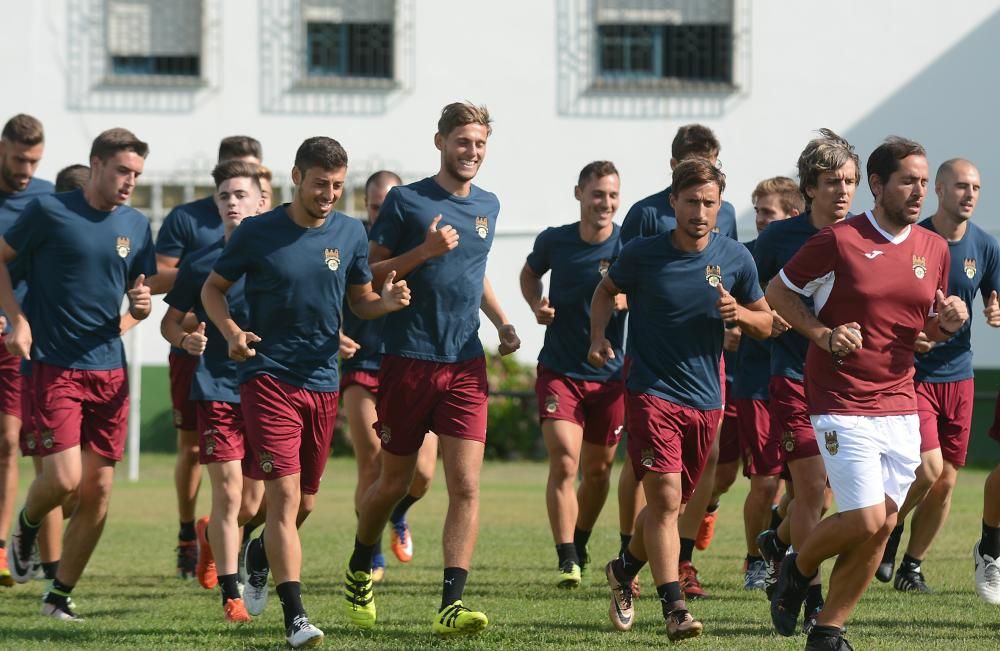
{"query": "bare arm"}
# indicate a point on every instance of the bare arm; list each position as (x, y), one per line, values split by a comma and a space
(839, 340)
(365, 303)
(166, 274)
(490, 305)
(213, 298)
(602, 306)
(952, 313)
(436, 243)
(18, 340)
(532, 290)
(172, 329)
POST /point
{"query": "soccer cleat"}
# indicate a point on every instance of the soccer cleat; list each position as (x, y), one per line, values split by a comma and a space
(706, 531)
(62, 612)
(255, 586)
(6, 579)
(584, 560)
(786, 601)
(378, 567)
(621, 612)
(205, 568)
(456, 619)
(767, 544)
(235, 611)
(359, 598)
(301, 634)
(756, 575)
(885, 568)
(401, 541)
(822, 640)
(812, 611)
(20, 548)
(910, 579)
(987, 576)
(681, 625)
(569, 576)
(689, 581)
(187, 558)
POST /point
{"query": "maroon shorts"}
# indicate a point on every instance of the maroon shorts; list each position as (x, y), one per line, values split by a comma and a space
(666, 437)
(289, 430)
(761, 451)
(417, 396)
(995, 428)
(221, 433)
(790, 424)
(730, 446)
(367, 380)
(182, 367)
(945, 410)
(78, 407)
(597, 407)
(10, 382)
(30, 441)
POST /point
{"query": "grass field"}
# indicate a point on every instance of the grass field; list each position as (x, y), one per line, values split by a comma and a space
(132, 600)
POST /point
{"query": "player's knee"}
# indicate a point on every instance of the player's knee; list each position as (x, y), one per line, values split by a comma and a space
(463, 490)
(597, 472)
(421, 484)
(8, 448)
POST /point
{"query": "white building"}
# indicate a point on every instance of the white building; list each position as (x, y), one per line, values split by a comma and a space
(568, 82)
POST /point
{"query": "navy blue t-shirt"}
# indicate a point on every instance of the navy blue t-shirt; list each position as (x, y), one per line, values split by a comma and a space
(189, 227)
(368, 334)
(82, 262)
(441, 323)
(753, 364)
(654, 215)
(11, 205)
(215, 376)
(775, 246)
(296, 280)
(975, 268)
(675, 332)
(577, 268)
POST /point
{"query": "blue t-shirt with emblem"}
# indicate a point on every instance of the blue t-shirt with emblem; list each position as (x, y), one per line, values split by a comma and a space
(11, 205)
(441, 323)
(675, 331)
(753, 364)
(775, 246)
(296, 281)
(215, 377)
(577, 268)
(82, 263)
(975, 268)
(367, 333)
(654, 215)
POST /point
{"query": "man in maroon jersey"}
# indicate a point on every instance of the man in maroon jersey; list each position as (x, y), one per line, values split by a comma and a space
(876, 282)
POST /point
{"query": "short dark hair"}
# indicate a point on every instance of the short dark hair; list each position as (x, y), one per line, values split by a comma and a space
(112, 141)
(692, 172)
(884, 161)
(382, 177)
(233, 169)
(24, 130)
(598, 169)
(322, 152)
(73, 177)
(240, 147)
(694, 140)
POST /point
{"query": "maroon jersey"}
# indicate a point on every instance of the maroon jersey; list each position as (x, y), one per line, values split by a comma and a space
(855, 271)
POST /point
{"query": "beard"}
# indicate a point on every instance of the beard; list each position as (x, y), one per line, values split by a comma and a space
(457, 173)
(11, 180)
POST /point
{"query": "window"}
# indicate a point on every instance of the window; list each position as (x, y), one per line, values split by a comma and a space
(349, 40)
(154, 40)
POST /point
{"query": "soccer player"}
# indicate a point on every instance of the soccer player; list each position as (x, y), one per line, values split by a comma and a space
(188, 228)
(72, 177)
(943, 377)
(299, 261)
(360, 355)
(679, 303)
(986, 550)
(436, 233)
(829, 172)
(266, 189)
(874, 278)
(774, 199)
(581, 408)
(87, 250)
(214, 387)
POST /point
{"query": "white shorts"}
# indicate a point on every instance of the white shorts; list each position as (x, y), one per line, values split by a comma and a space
(868, 458)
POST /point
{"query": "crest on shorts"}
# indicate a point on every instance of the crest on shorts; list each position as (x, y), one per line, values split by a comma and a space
(266, 463)
(552, 403)
(618, 432)
(647, 457)
(332, 257)
(48, 439)
(30, 441)
(832, 444)
(713, 274)
(178, 418)
(385, 434)
(210, 441)
(482, 227)
(123, 246)
(970, 268)
(603, 266)
(919, 266)
(788, 441)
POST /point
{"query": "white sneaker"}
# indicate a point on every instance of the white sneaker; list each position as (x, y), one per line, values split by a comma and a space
(303, 634)
(987, 576)
(255, 588)
(60, 613)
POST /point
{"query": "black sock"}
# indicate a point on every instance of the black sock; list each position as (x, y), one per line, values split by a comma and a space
(186, 532)
(29, 532)
(229, 584)
(3, 544)
(780, 544)
(671, 597)
(626, 538)
(257, 555)
(454, 585)
(49, 569)
(989, 545)
(894, 537)
(798, 578)
(58, 593)
(580, 539)
(399, 513)
(753, 559)
(820, 630)
(567, 552)
(775, 518)
(290, 595)
(626, 566)
(248, 532)
(912, 563)
(687, 549)
(377, 548)
(712, 508)
(814, 597)
(361, 559)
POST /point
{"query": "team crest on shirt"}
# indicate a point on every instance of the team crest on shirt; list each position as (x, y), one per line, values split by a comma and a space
(482, 227)
(603, 266)
(332, 257)
(210, 441)
(647, 457)
(716, 230)
(713, 274)
(385, 434)
(48, 438)
(123, 246)
(970, 268)
(832, 445)
(788, 441)
(919, 266)
(266, 463)
(552, 403)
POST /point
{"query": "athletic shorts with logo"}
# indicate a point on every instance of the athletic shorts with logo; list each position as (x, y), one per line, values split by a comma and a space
(761, 451)
(945, 410)
(597, 407)
(790, 423)
(367, 380)
(182, 368)
(10, 381)
(730, 445)
(29, 440)
(221, 432)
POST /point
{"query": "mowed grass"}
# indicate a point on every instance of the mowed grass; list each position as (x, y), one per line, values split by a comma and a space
(131, 598)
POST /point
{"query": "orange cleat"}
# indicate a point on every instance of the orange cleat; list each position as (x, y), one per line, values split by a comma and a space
(689, 581)
(6, 579)
(207, 575)
(236, 611)
(402, 542)
(706, 530)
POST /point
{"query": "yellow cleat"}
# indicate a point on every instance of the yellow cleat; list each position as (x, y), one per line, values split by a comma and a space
(456, 619)
(359, 598)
